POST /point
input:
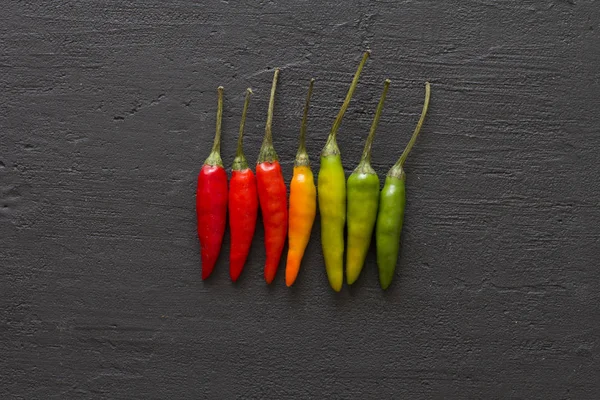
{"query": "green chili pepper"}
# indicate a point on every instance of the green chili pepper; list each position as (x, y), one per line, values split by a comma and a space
(332, 196)
(391, 209)
(363, 196)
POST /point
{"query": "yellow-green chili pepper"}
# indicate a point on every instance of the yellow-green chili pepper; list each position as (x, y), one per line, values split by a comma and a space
(363, 196)
(391, 209)
(332, 196)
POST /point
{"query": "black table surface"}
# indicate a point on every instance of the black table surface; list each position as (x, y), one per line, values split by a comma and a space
(108, 112)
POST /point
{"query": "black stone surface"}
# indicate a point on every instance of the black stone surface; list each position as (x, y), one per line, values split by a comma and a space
(108, 112)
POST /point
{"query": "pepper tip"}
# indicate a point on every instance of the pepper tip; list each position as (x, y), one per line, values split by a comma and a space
(269, 278)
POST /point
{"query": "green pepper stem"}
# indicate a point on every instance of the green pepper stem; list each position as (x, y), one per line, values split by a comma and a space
(240, 143)
(366, 155)
(239, 162)
(215, 154)
(413, 139)
(267, 152)
(217, 143)
(340, 116)
(302, 155)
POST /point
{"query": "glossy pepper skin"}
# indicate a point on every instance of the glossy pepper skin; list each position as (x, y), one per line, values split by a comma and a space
(303, 203)
(211, 200)
(332, 196)
(243, 204)
(363, 199)
(272, 195)
(392, 201)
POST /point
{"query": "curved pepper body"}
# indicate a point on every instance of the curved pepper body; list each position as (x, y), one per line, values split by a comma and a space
(392, 202)
(390, 218)
(272, 195)
(363, 199)
(243, 210)
(211, 212)
(332, 207)
(332, 194)
(303, 208)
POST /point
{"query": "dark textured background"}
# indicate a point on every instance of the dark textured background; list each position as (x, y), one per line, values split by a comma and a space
(108, 111)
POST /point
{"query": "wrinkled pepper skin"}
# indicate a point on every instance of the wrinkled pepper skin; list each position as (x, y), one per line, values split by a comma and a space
(211, 210)
(303, 208)
(211, 200)
(272, 194)
(332, 206)
(243, 211)
(363, 199)
(390, 219)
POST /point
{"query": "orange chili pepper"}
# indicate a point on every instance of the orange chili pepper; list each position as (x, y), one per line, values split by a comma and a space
(303, 203)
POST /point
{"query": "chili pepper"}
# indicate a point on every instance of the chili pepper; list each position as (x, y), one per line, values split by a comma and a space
(391, 209)
(272, 195)
(303, 202)
(332, 195)
(211, 200)
(243, 204)
(363, 199)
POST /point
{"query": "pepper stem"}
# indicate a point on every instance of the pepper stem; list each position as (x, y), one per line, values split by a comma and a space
(215, 154)
(302, 155)
(338, 120)
(239, 162)
(415, 134)
(366, 155)
(267, 152)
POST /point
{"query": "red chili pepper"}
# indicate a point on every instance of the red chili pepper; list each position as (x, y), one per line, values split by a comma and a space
(211, 200)
(243, 204)
(272, 195)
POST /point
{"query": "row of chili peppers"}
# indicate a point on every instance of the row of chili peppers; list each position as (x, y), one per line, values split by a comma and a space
(357, 203)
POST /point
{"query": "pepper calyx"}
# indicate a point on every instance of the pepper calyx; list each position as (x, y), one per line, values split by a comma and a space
(397, 172)
(214, 159)
(239, 163)
(364, 167)
(331, 148)
(301, 159)
(267, 153)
